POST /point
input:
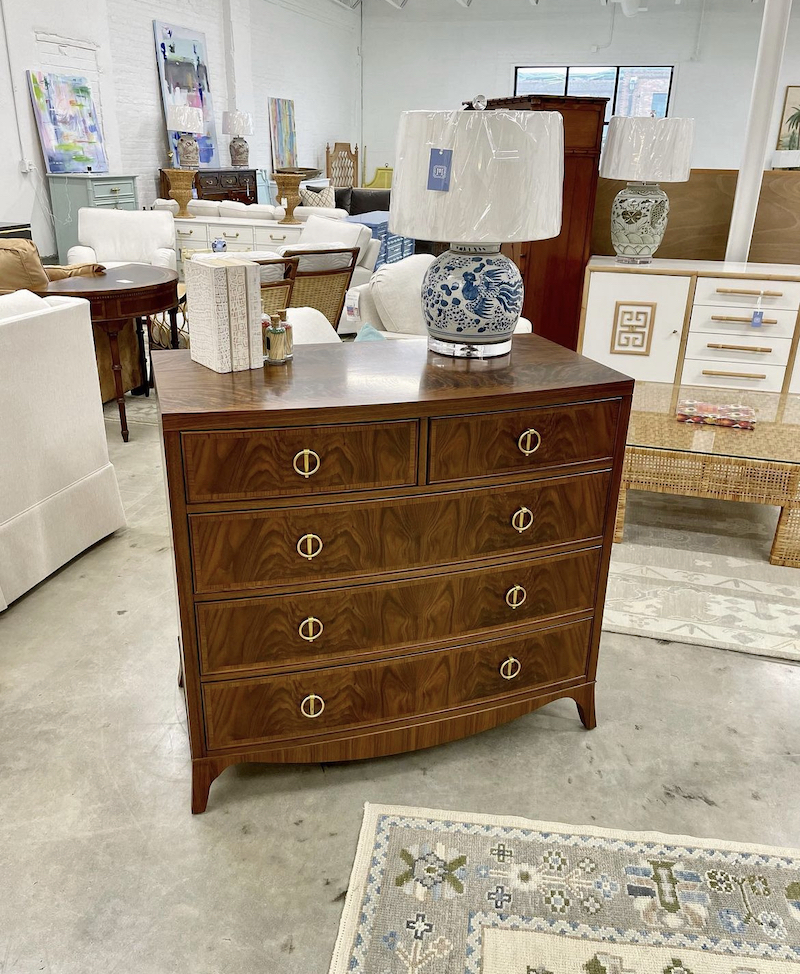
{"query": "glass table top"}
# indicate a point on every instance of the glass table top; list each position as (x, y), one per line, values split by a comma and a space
(776, 435)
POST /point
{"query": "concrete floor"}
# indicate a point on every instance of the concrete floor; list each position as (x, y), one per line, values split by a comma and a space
(104, 869)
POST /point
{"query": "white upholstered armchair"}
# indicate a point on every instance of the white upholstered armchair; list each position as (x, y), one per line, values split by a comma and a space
(124, 237)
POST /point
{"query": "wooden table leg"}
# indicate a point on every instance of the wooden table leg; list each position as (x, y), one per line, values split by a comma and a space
(173, 326)
(619, 524)
(786, 546)
(144, 388)
(112, 329)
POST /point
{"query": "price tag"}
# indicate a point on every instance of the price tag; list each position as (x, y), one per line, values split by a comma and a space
(439, 167)
(758, 315)
(351, 303)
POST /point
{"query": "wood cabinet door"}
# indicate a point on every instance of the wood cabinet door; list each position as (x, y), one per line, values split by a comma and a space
(634, 323)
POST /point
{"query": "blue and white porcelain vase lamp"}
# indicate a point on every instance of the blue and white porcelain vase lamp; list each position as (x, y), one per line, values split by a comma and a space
(645, 152)
(476, 180)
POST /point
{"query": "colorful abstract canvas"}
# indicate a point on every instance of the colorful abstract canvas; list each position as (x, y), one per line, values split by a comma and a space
(281, 128)
(69, 131)
(183, 72)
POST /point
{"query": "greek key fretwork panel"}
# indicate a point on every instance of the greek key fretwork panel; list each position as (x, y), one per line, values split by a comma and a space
(633, 327)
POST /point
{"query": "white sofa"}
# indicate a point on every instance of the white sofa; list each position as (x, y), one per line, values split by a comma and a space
(124, 236)
(391, 301)
(233, 210)
(58, 490)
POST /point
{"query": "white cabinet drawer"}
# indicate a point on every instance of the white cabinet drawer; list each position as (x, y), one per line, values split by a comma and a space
(238, 236)
(268, 238)
(758, 350)
(712, 319)
(710, 372)
(191, 234)
(737, 292)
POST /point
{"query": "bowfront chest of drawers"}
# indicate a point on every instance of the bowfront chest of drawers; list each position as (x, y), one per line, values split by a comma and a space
(378, 549)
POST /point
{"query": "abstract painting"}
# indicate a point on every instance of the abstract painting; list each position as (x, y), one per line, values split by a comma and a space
(183, 72)
(281, 129)
(789, 135)
(67, 121)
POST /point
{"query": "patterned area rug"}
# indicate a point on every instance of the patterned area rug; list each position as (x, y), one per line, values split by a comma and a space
(697, 571)
(455, 893)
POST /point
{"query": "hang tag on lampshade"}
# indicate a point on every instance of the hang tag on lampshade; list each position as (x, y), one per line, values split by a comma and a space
(439, 168)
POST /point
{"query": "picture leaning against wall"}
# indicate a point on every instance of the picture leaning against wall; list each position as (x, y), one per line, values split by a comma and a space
(789, 135)
(69, 130)
(282, 132)
(183, 73)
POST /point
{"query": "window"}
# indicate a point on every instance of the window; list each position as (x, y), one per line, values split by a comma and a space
(638, 91)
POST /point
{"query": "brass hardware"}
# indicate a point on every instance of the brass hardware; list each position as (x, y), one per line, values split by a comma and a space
(230, 236)
(305, 456)
(735, 375)
(739, 290)
(515, 596)
(744, 321)
(114, 189)
(529, 441)
(309, 542)
(510, 668)
(312, 705)
(280, 236)
(185, 233)
(740, 348)
(522, 519)
(310, 629)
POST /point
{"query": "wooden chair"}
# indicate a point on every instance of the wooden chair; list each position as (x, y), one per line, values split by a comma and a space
(342, 164)
(382, 178)
(322, 280)
(277, 282)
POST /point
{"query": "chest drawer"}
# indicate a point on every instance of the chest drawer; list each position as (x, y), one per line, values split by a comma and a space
(751, 350)
(243, 712)
(300, 460)
(712, 319)
(466, 447)
(236, 237)
(343, 624)
(268, 238)
(744, 293)
(733, 375)
(108, 190)
(271, 549)
(191, 234)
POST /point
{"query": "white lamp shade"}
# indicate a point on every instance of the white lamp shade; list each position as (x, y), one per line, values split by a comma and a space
(184, 118)
(506, 176)
(648, 150)
(237, 123)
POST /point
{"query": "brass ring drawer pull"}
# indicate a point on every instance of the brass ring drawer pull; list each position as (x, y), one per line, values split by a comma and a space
(310, 629)
(515, 596)
(510, 668)
(522, 519)
(312, 705)
(309, 546)
(306, 463)
(529, 441)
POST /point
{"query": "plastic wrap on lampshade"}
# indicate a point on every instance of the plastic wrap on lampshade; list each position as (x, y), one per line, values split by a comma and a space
(237, 123)
(648, 150)
(185, 118)
(478, 177)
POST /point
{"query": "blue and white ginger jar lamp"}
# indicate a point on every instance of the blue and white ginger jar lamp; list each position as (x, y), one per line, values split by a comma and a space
(476, 179)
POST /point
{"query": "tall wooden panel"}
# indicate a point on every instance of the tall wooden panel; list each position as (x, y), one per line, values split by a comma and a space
(553, 269)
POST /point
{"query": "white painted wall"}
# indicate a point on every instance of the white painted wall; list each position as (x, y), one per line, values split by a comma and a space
(435, 53)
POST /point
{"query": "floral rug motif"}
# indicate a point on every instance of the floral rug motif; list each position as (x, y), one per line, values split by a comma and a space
(456, 893)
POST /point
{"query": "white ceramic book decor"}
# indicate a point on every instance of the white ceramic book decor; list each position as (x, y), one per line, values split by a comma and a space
(207, 296)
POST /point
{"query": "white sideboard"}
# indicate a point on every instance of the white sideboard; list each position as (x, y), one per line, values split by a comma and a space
(199, 234)
(691, 321)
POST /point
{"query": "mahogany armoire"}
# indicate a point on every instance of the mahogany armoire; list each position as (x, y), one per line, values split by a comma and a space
(553, 269)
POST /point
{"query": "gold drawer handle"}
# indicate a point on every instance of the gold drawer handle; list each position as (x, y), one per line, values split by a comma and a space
(735, 375)
(310, 629)
(302, 463)
(529, 441)
(312, 705)
(510, 668)
(277, 236)
(185, 233)
(515, 596)
(309, 546)
(749, 292)
(114, 189)
(744, 321)
(522, 519)
(739, 348)
(230, 236)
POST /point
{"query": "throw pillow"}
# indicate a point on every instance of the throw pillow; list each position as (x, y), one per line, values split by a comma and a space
(21, 266)
(325, 197)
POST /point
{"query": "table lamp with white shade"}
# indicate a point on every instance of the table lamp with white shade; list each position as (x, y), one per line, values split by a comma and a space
(476, 179)
(187, 122)
(645, 152)
(238, 124)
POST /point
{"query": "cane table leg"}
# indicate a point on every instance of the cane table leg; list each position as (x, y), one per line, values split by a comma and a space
(619, 524)
(786, 546)
(112, 329)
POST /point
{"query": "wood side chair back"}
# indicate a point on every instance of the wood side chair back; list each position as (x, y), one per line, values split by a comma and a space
(342, 164)
(277, 282)
(322, 280)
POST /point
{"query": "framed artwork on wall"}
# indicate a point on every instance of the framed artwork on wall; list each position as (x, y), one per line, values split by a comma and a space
(789, 134)
(282, 133)
(183, 73)
(69, 130)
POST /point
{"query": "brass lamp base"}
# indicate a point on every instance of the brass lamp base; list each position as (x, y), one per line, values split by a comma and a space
(288, 182)
(181, 183)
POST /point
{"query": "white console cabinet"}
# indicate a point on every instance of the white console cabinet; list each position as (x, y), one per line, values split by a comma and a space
(692, 321)
(200, 233)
